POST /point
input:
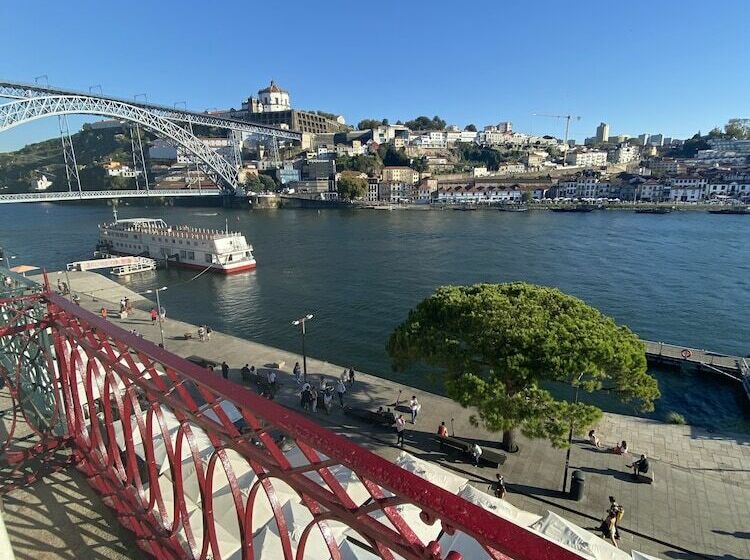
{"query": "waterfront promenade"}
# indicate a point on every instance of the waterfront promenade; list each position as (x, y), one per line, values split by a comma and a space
(699, 506)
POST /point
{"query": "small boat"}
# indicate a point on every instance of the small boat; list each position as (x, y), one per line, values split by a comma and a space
(736, 210)
(513, 209)
(654, 210)
(577, 208)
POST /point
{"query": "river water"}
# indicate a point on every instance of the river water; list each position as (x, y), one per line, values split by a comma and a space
(683, 277)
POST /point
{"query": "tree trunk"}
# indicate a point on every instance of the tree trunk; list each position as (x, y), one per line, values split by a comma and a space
(509, 441)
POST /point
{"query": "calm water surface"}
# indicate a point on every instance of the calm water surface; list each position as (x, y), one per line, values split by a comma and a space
(682, 277)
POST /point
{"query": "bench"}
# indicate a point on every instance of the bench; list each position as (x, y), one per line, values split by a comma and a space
(202, 362)
(489, 456)
(645, 478)
(380, 419)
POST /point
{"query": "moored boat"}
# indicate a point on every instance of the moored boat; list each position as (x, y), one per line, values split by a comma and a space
(221, 251)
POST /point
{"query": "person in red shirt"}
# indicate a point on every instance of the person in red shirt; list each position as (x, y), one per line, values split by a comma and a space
(154, 315)
(104, 312)
(442, 433)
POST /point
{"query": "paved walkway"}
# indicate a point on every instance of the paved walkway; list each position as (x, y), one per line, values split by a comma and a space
(699, 506)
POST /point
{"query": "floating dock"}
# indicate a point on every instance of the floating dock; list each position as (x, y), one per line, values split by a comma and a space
(671, 354)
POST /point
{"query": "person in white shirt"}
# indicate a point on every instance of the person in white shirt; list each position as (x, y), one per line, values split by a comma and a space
(415, 407)
(340, 390)
(400, 426)
(476, 453)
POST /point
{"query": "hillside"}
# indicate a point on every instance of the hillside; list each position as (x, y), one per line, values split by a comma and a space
(93, 147)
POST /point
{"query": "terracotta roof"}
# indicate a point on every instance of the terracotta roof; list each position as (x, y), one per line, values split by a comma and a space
(273, 88)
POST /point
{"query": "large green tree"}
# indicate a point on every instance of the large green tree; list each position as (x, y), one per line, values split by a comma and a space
(497, 344)
(351, 186)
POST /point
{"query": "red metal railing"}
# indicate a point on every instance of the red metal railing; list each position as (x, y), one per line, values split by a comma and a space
(196, 466)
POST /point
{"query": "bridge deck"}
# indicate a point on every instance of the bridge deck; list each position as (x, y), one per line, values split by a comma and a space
(97, 195)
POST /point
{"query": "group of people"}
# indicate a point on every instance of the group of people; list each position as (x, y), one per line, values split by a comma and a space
(155, 314)
(204, 333)
(125, 307)
(640, 466)
(312, 397)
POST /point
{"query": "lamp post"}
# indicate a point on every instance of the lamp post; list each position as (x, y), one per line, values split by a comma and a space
(301, 322)
(570, 436)
(158, 310)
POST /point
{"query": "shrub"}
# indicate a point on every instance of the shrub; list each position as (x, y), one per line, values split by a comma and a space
(675, 418)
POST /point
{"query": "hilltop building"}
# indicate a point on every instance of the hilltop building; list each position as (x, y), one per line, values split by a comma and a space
(273, 107)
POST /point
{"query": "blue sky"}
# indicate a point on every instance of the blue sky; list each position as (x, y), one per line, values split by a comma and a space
(669, 66)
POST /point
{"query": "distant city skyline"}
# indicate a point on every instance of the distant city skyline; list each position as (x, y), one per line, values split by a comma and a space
(658, 69)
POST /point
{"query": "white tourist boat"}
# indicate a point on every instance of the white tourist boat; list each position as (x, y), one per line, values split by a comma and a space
(221, 251)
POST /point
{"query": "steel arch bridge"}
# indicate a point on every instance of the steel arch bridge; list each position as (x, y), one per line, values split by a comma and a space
(21, 111)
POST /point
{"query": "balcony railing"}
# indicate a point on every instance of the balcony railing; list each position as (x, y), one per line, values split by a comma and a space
(198, 467)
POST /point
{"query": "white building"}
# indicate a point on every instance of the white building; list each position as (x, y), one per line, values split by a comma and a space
(272, 98)
(222, 146)
(731, 189)
(624, 153)
(431, 139)
(42, 184)
(586, 158)
(479, 194)
(652, 191)
(686, 194)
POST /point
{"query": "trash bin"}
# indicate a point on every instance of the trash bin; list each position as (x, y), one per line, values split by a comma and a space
(577, 483)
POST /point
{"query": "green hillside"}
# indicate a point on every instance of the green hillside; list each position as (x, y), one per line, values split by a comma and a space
(93, 147)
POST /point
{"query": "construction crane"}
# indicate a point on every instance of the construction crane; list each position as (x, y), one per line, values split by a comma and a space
(567, 125)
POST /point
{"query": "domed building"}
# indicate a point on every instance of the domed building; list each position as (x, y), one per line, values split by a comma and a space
(273, 98)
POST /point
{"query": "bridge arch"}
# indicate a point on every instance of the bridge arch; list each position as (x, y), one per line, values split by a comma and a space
(21, 111)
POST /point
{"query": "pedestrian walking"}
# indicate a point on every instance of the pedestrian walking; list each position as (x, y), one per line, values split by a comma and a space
(122, 305)
(341, 389)
(245, 372)
(608, 528)
(442, 432)
(328, 401)
(498, 487)
(163, 313)
(154, 315)
(59, 285)
(618, 512)
(201, 334)
(225, 370)
(400, 426)
(297, 372)
(272, 382)
(208, 332)
(476, 453)
(415, 407)
(351, 376)
(314, 397)
(103, 312)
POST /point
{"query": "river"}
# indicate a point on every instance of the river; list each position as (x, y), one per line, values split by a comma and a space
(683, 277)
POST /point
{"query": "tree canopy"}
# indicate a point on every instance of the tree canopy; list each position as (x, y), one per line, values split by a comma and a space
(426, 123)
(471, 127)
(496, 344)
(351, 186)
(392, 156)
(366, 124)
(370, 164)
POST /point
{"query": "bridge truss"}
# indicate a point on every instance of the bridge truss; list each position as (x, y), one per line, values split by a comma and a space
(197, 467)
(30, 102)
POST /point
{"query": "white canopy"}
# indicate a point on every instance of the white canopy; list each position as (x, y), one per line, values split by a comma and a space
(582, 541)
(499, 507)
(431, 472)
(465, 545)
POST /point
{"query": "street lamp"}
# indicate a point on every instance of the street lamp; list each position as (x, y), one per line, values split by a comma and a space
(158, 310)
(570, 436)
(302, 322)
